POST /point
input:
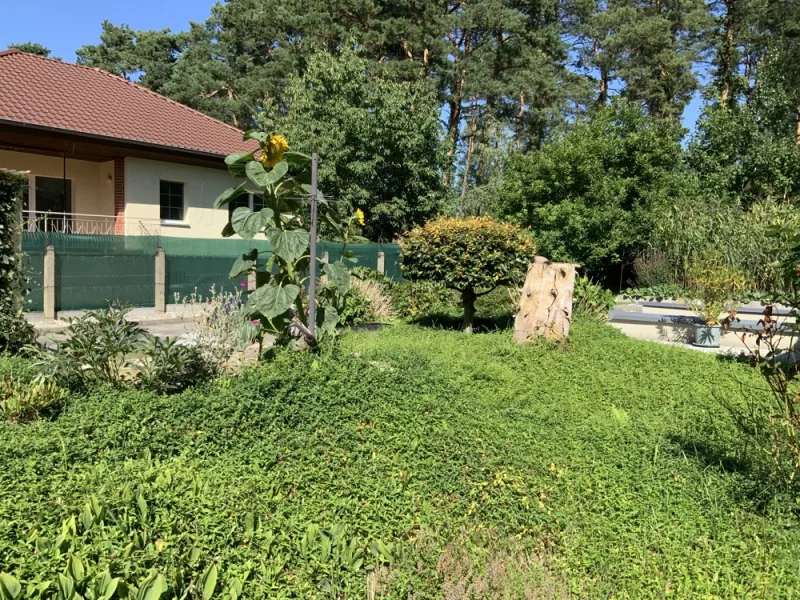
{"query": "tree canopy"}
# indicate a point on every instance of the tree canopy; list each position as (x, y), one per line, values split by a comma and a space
(562, 116)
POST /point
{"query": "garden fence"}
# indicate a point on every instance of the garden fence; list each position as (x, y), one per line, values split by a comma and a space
(91, 270)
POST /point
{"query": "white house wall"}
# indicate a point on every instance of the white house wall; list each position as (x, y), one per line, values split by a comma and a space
(201, 187)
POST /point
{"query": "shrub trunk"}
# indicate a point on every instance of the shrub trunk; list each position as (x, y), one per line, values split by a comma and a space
(468, 298)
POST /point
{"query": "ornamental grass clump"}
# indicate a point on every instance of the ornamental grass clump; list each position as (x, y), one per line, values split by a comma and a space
(714, 287)
(472, 256)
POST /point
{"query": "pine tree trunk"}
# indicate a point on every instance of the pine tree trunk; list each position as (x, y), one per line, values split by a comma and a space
(726, 67)
(545, 308)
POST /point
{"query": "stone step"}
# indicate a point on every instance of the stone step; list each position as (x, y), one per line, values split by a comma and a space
(679, 328)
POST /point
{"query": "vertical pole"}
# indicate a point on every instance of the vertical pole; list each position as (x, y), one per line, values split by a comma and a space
(49, 284)
(381, 263)
(312, 278)
(161, 281)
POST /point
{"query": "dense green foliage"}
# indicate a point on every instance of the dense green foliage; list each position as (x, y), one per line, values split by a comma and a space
(609, 464)
(472, 256)
(591, 196)
(15, 331)
(380, 141)
(590, 299)
(523, 92)
(33, 48)
(103, 347)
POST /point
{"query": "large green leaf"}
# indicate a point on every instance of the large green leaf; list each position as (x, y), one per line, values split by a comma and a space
(339, 276)
(10, 588)
(256, 135)
(272, 300)
(329, 319)
(247, 224)
(237, 157)
(237, 163)
(153, 588)
(75, 568)
(296, 158)
(279, 171)
(209, 581)
(261, 177)
(66, 587)
(244, 263)
(230, 194)
(256, 173)
(288, 244)
(306, 187)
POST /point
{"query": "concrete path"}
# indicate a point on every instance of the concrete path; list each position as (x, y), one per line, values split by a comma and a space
(178, 321)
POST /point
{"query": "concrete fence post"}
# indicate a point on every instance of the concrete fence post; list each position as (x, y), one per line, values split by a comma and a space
(49, 284)
(324, 278)
(251, 281)
(161, 281)
(381, 263)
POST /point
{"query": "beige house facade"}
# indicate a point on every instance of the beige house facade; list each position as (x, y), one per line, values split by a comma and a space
(112, 158)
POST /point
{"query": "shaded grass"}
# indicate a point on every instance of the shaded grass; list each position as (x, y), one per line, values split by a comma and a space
(603, 469)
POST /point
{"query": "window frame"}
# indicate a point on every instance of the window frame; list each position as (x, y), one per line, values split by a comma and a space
(31, 204)
(170, 221)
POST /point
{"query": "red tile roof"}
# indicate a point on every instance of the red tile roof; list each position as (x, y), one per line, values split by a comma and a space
(45, 92)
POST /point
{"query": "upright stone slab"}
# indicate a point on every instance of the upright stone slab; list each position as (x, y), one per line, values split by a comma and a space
(545, 308)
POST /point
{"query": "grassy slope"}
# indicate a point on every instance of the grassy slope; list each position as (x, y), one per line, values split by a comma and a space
(611, 462)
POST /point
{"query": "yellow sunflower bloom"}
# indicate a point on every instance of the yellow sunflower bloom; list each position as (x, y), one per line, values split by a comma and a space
(273, 149)
(360, 216)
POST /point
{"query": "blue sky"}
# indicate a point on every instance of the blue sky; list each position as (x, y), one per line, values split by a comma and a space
(65, 25)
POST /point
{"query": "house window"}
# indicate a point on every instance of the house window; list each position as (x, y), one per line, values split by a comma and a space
(51, 194)
(172, 201)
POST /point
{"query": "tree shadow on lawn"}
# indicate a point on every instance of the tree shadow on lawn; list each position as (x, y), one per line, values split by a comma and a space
(451, 322)
(751, 478)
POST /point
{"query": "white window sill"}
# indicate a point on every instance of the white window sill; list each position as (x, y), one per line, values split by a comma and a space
(171, 223)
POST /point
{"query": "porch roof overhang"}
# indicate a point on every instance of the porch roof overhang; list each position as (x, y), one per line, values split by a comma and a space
(34, 138)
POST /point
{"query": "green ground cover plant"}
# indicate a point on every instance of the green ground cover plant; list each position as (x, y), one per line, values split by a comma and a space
(412, 463)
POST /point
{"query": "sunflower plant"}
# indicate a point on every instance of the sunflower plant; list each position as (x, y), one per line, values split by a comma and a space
(281, 180)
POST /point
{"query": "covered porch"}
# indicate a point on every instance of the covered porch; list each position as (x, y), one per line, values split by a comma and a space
(77, 183)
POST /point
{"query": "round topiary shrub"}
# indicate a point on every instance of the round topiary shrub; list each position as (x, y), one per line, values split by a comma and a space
(471, 255)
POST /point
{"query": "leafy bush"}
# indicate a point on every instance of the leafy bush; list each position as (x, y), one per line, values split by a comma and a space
(168, 367)
(15, 331)
(657, 292)
(691, 229)
(355, 307)
(27, 401)
(103, 348)
(653, 269)
(591, 300)
(591, 196)
(472, 256)
(714, 288)
(95, 351)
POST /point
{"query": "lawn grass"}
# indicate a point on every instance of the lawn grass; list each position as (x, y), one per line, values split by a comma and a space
(434, 464)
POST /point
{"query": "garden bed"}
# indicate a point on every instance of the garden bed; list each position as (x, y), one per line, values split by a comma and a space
(416, 462)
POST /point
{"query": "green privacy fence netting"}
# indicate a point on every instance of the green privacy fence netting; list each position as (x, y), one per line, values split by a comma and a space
(92, 270)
